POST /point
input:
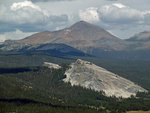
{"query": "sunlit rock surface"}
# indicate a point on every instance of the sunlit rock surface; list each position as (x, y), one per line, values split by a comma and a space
(89, 75)
(52, 65)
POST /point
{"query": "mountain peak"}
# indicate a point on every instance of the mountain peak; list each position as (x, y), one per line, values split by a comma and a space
(85, 25)
(82, 23)
(82, 35)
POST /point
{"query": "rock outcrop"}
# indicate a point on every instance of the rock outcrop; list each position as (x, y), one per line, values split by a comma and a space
(89, 75)
(52, 65)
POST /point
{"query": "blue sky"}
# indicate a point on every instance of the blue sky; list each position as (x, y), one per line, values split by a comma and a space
(123, 18)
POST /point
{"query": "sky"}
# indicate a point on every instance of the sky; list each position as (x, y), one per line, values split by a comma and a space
(122, 18)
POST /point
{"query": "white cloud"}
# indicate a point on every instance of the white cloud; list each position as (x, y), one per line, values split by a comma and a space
(115, 13)
(119, 13)
(89, 15)
(119, 5)
(26, 10)
(20, 5)
(146, 17)
(49, 0)
(22, 13)
(118, 18)
(2, 38)
(40, 15)
(16, 6)
(15, 35)
(28, 16)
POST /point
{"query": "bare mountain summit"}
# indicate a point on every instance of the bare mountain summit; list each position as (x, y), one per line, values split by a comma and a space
(89, 75)
(82, 35)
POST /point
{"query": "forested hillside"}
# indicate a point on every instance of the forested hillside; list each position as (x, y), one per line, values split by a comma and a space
(43, 88)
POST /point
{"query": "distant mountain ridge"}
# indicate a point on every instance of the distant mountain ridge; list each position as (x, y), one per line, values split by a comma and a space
(58, 50)
(143, 36)
(142, 40)
(81, 35)
(52, 49)
(88, 38)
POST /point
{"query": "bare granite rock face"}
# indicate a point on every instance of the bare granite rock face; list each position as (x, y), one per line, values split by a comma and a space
(52, 65)
(89, 75)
